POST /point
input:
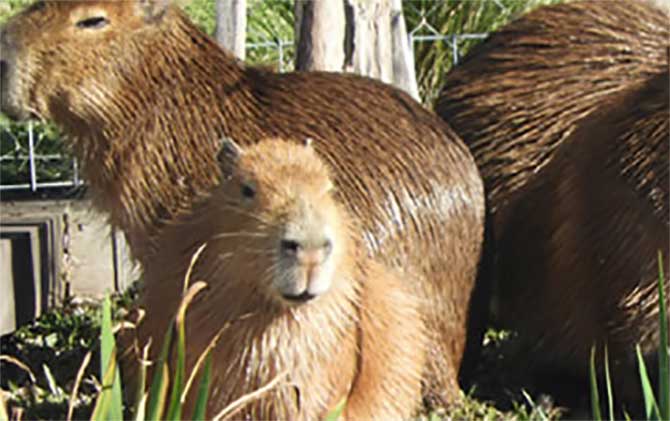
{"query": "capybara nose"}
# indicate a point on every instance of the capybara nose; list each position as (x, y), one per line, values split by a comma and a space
(309, 254)
(289, 247)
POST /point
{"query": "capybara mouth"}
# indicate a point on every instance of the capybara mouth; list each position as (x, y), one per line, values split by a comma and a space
(300, 298)
(5, 104)
(3, 87)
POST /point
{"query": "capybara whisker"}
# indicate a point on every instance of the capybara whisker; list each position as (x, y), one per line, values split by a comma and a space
(243, 211)
(566, 113)
(326, 315)
(144, 103)
(224, 235)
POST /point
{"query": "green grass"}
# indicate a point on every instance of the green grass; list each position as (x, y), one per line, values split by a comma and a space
(156, 405)
(656, 403)
(75, 331)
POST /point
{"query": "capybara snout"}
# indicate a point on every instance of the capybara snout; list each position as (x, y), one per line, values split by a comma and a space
(307, 237)
(144, 98)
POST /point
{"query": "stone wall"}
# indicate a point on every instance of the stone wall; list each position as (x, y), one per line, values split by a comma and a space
(50, 249)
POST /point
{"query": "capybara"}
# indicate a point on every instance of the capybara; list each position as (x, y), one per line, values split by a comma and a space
(566, 113)
(281, 250)
(585, 272)
(143, 96)
(518, 95)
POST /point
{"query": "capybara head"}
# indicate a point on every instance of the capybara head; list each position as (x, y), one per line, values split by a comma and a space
(61, 35)
(146, 127)
(277, 199)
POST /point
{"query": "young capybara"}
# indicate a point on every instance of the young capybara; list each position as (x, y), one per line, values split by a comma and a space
(566, 112)
(142, 95)
(281, 250)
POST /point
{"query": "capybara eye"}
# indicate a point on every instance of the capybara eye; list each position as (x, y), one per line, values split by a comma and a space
(96, 22)
(248, 191)
(289, 246)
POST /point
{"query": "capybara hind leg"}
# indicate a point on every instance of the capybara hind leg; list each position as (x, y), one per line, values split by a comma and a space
(442, 389)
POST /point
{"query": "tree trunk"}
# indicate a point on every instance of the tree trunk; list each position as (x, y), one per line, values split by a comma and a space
(231, 26)
(320, 39)
(404, 72)
(367, 37)
(369, 48)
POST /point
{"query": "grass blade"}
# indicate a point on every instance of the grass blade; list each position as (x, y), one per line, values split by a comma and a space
(650, 406)
(335, 414)
(103, 404)
(19, 364)
(107, 350)
(534, 408)
(174, 409)
(237, 404)
(663, 348)
(140, 408)
(608, 385)
(203, 390)
(51, 382)
(159, 383)
(77, 382)
(595, 399)
(3, 408)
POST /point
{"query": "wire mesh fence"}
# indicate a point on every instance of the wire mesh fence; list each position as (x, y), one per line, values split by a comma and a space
(33, 158)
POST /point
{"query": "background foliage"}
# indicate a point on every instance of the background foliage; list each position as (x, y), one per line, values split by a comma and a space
(271, 22)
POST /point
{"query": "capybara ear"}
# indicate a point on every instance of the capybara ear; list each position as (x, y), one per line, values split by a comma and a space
(153, 9)
(228, 154)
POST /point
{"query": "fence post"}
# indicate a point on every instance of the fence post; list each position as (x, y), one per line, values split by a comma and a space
(31, 156)
(454, 49)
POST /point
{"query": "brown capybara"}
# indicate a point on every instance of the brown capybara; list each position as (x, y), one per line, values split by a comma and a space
(142, 95)
(566, 113)
(518, 95)
(585, 272)
(287, 267)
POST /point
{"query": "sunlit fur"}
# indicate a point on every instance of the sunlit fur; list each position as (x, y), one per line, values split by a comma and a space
(145, 100)
(292, 199)
(362, 339)
(566, 112)
(594, 272)
(516, 97)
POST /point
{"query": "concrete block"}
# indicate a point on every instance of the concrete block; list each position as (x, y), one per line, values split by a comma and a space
(7, 309)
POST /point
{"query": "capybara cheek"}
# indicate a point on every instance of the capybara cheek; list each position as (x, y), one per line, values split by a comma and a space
(290, 281)
(321, 280)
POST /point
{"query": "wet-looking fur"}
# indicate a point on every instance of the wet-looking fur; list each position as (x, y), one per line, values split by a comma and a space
(566, 113)
(143, 97)
(282, 250)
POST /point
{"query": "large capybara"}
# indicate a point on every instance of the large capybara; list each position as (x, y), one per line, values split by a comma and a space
(566, 113)
(518, 95)
(282, 251)
(585, 272)
(143, 96)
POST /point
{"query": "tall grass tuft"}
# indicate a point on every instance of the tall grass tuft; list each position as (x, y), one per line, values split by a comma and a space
(664, 348)
(154, 404)
(656, 406)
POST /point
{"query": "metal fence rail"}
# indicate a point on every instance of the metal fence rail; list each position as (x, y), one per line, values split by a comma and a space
(31, 160)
